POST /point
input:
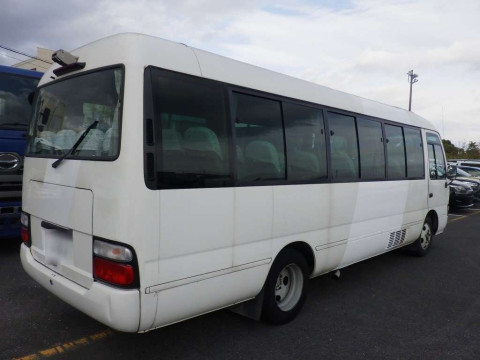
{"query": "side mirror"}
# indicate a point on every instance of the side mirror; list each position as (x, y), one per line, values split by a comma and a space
(452, 172)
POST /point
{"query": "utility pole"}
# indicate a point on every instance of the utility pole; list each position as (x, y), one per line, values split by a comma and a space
(412, 79)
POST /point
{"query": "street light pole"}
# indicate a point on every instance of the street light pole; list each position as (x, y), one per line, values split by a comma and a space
(412, 79)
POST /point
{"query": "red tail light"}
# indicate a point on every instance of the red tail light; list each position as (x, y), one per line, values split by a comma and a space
(25, 229)
(113, 272)
(24, 233)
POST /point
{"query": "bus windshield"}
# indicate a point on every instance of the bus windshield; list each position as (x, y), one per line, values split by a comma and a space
(65, 109)
(14, 106)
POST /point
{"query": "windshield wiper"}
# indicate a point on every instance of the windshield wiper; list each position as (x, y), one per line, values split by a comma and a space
(77, 144)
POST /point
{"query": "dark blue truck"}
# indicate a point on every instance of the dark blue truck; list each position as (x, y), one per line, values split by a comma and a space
(15, 110)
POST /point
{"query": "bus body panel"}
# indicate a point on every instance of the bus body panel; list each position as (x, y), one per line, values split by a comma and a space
(254, 209)
(175, 304)
(65, 206)
(196, 228)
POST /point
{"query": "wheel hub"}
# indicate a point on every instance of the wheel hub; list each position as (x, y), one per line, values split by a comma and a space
(288, 287)
(426, 236)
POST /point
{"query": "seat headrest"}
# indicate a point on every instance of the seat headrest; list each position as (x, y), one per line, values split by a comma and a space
(201, 139)
(263, 151)
(339, 143)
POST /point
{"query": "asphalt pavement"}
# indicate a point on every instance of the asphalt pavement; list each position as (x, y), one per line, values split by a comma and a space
(393, 306)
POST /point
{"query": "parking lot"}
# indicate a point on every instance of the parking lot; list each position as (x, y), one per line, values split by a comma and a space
(392, 306)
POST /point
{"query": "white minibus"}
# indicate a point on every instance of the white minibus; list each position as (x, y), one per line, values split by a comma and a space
(162, 182)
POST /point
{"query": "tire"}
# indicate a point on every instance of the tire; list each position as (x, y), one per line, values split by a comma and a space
(285, 288)
(422, 245)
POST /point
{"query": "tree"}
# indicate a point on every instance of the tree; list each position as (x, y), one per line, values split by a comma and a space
(451, 151)
(472, 151)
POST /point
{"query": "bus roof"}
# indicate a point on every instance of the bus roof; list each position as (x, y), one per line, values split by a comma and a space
(22, 72)
(144, 50)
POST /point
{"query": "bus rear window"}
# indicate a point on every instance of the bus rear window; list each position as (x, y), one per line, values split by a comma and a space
(63, 110)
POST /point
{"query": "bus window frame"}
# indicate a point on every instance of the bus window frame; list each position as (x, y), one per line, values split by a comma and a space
(281, 100)
(328, 138)
(232, 88)
(382, 128)
(401, 126)
(248, 92)
(150, 109)
(433, 143)
(423, 152)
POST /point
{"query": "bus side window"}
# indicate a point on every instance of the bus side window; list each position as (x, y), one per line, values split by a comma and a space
(372, 153)
(436, 160)
(432, 167)
(414, 149)
(190, 131)
(344, 146)
(440, 162)
(396, 168)
(305, 137)
(259, 134)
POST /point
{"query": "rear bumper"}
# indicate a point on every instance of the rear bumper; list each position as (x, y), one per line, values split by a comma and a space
(117, 308)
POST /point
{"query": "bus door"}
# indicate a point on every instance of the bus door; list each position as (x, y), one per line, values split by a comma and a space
(438, 191)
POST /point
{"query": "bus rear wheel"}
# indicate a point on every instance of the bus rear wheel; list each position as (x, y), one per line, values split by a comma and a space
(285, 288)
(421, 246)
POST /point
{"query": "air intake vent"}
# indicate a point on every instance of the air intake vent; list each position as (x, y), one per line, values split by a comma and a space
(396, 238)
(150, 166)
(149, 138)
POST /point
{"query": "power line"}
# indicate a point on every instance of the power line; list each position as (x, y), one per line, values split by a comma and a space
(13, 57)
(21, 53)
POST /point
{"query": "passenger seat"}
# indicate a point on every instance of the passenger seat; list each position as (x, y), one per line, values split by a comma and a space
(202, 150)
(262, 161)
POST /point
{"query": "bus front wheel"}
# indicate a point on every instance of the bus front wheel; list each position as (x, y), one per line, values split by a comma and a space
(421, 246)
(285, 288)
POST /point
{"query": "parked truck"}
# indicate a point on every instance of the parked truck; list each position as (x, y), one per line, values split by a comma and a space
(16, 85)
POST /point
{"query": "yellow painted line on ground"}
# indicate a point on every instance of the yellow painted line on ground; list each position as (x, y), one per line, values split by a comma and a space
(465, 216)
(68, 346)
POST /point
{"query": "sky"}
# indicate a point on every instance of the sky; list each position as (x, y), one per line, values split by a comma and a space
(363, 47)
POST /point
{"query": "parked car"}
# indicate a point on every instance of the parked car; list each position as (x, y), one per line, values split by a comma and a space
(473, 171)
(461, 175)
(470, 163)
(461, 195)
